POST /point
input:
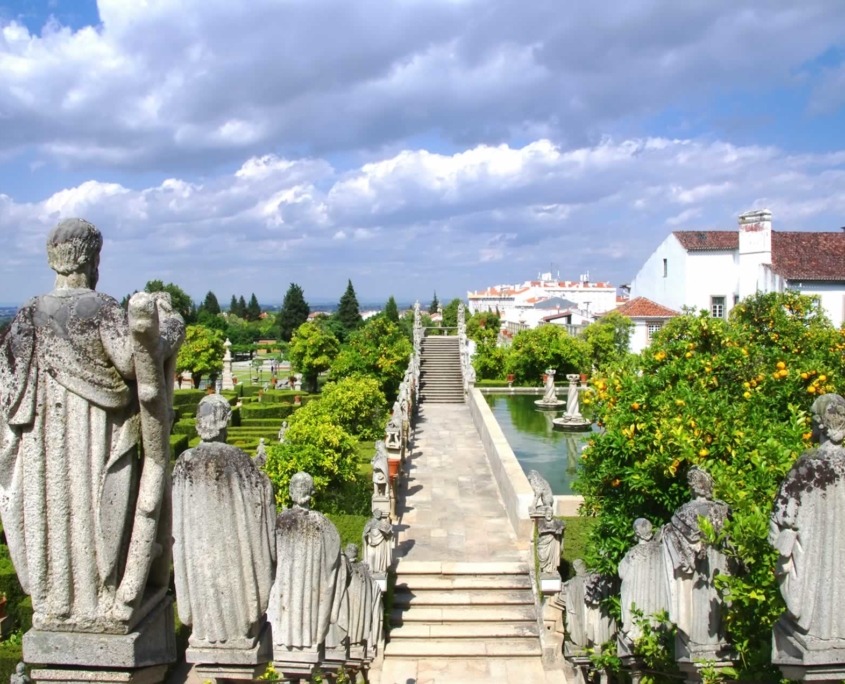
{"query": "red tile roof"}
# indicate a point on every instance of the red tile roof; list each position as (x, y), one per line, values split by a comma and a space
(640, 307)
(809, 256)
(708, 240)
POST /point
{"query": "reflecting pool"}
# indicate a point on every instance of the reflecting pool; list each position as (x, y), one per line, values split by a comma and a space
(552, 453)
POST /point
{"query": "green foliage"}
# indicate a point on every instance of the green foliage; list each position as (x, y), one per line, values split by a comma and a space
(312, 350)
(489, 361)
(180, 299)
(435, 305)
(655, 647)
(201, 352)
(347, 309)
(350, 527)
(178, 444)
(294, 312)
(234, 307)
(483, 328)
(732, 397)
(357, 404)
(253, 309)
(450, 314)
(577, 535)
(608, 338)
(391, 311)
(548, 346)
(210, 304)
(380, 350)
(316, 445)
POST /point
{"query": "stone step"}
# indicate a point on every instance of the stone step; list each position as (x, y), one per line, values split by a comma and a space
(409, 567)
(466, 630)
(465, 597)
(425, 582)
(436, 615)
(464, 648)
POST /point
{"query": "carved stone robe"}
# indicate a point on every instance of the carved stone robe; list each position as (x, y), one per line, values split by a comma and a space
(643, 585)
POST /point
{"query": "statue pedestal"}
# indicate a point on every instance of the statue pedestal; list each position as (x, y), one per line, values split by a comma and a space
(84, 656)
(802, 657)
(691, 658)
(293, 662)
(233, 663)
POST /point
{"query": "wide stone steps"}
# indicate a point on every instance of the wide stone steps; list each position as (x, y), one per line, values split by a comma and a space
(441, 380)
(463, 610)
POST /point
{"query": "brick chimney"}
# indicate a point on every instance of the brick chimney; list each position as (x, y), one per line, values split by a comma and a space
(755, 250)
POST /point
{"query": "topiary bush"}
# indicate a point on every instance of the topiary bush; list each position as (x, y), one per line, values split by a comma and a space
(357, 404)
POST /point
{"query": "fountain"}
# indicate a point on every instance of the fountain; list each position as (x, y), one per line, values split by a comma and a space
(549, 400)
(572, 420)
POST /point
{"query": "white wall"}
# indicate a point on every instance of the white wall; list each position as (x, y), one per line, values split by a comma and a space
(668, 290)
(832, 297)
(639, 337)
(710, 274)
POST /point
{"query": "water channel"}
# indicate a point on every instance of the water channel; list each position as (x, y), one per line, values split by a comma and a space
(553, 453)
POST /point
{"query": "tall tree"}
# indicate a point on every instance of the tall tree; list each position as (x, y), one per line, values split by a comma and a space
(450, 314)
(312, 350)
(241, 307)
(435, 304)
(201, 353)
(391, 311)
(233, 306)
(294, 312)
(210, 304)
(347, 310)
(253, 309)
(180, 299)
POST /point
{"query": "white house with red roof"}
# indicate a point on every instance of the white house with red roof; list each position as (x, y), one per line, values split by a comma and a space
(714, 269)
(648, 317)
(526, 305)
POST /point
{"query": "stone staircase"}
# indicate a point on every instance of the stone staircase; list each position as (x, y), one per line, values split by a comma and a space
(441, 380)
(463, 610)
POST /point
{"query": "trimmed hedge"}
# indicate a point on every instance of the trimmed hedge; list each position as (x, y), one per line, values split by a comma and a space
(10, 655)
(178, 444)
(351, 529)
(266, 410)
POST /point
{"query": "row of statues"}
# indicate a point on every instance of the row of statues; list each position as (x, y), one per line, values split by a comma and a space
(239, 568)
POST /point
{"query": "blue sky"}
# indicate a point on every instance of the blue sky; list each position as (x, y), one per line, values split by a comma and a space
(411, 146)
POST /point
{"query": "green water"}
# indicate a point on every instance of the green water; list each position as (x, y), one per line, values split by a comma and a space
(552, 453)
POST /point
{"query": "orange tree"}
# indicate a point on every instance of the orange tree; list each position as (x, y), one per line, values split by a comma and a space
(732, 397)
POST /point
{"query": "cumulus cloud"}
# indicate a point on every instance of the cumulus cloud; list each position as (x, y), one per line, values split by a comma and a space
(510, 212)
(181, 84)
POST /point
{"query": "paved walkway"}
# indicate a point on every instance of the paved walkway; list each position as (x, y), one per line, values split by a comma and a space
(449, 506)
(449, 509)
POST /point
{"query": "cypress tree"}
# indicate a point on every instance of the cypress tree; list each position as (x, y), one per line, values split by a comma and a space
(210, 304)
(294, 312)
(347, 310)
(391, 311)
(242, 307)
(253, 309)
(432, 309)
(233, 306)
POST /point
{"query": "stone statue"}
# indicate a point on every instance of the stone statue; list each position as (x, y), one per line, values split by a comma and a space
(360, 594)
(691, 566)
(643, 585)
(380, 470)
(573, 599)
(223, 536)
(19, 676)
(260, 454)
(549, 541)
(805, 528)
(83, 385)
(573, 410)
(307, 557)
(549, 396)
(282, 431)
(543, 498)
(599, 626)
(378, 537)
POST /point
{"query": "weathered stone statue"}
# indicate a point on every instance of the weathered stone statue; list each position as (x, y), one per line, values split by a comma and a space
(643, 585)
(360, 598)
(573, 598)
(549, 541)
(598, 624)
(83, 385)
(282, 431)
(378, 538)
(260, 454)
(691, 566)
(543, 498)
(223, 538)
(806, 529)
(19, 676)
(381, 476)
(307, 556)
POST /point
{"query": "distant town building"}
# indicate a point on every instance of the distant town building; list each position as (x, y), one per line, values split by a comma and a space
(545, 300)
(715, 269)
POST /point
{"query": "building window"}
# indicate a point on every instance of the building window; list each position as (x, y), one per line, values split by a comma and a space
(665, 267)
(736, 299)
(717, 307)
(652, 327)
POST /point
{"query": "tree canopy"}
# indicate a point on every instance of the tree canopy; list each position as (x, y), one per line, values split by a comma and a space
(201, 353)
(608, 338)
(391, 311)
(210, 304)
(180, 299)
(450, 314)
(312, 350)
(253, 309)
(294, 312)
(347, 310)
(548, 346)
(435, 305)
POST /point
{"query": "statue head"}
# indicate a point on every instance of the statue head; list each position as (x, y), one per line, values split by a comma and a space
(213, 415)
(643, 529)
(700, 482)
(351, 552)
(547, 513)
(829, 418)
(301, 489)
(73, 246)
(20, 669)
(378, 514)
(580, 566)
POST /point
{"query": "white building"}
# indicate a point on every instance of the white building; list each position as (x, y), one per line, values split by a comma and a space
(713, 269)
(648, 317)
(526, 305)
